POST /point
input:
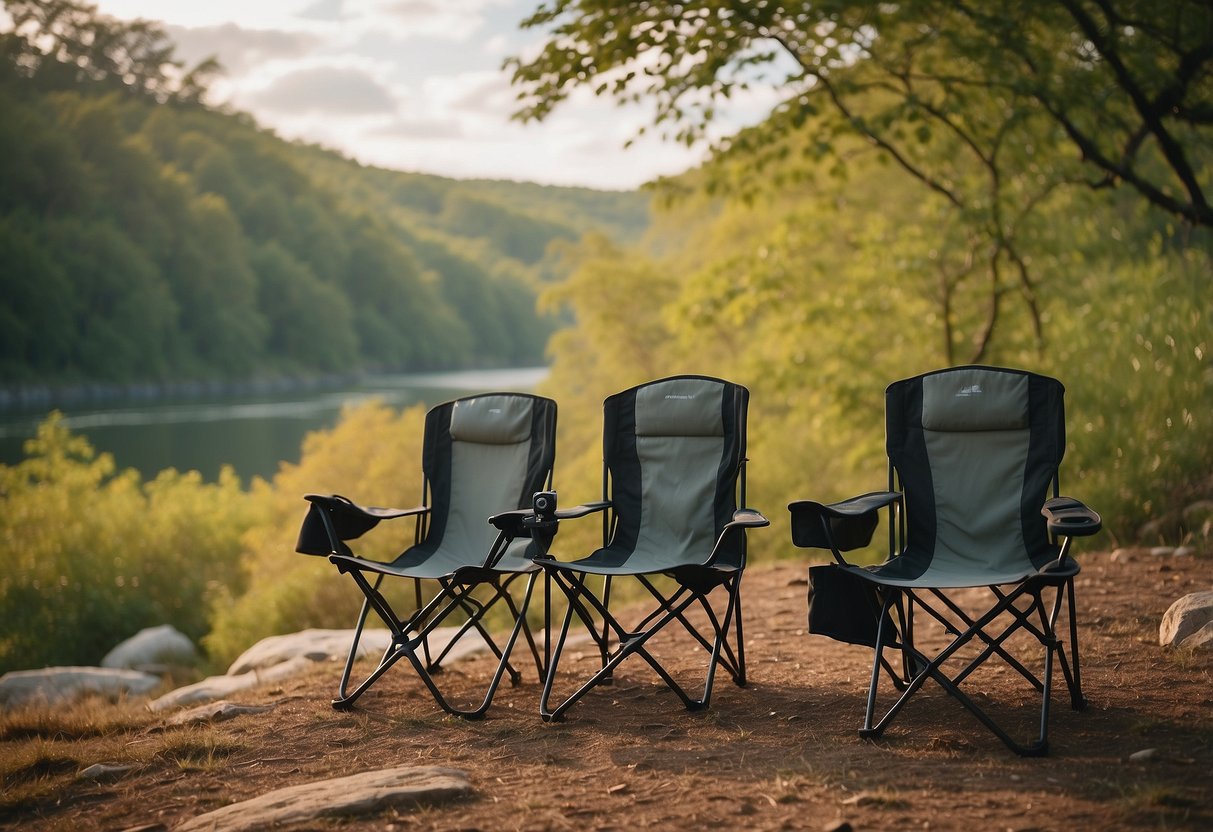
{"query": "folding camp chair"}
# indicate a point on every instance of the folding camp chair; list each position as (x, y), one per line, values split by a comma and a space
(484, 457)
(673, 477)
(975, 452)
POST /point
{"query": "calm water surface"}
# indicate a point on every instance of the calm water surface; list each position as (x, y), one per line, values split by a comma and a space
(253, 435)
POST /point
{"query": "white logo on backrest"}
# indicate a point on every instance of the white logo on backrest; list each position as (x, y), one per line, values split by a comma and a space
(494, 410)
(686, 397)
(971, 390)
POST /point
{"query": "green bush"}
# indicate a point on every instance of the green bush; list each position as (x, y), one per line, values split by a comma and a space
(373, 456)
(1132, 346)
(93, 554)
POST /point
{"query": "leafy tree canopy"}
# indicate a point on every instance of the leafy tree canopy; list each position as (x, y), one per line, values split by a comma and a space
(1101, 92)
(68, 42)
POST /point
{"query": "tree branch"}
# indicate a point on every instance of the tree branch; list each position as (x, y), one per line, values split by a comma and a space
(1171, 150)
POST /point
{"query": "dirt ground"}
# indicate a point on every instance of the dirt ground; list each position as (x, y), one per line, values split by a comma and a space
(781, 753)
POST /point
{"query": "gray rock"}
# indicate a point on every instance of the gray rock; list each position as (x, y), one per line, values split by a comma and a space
(153, 649)
(316, 645)
(359, 794)
(1143, 756)
(219, 687)
(60, 685)
(216, 712)
(1185, 618)
(1201, 639)
(325, 645)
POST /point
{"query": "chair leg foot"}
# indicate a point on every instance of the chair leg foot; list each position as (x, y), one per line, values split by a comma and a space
(343, 705)
(470, 716)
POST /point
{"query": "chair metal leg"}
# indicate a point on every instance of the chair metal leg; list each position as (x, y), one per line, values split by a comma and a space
(976, 629)
(410, 639)
(583, 604)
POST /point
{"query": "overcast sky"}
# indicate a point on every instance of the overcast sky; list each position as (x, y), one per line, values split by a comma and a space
(413, 85)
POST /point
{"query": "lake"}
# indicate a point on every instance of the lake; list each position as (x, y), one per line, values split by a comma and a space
(252, 434)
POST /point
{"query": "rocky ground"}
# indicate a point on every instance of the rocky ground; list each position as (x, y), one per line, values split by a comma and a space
(781, 753)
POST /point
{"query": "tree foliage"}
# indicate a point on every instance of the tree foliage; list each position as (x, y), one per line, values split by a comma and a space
(145, 237)
(1100, 91)
(819, 293)
(56, 42)
(93, 554)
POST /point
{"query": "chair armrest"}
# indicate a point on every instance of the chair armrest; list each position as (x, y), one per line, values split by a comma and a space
(1068, 517)
(540, 522)
(515, 523)
(332, 519)
(582, 510)
(748, 518)
(743, 520)
(839, 527)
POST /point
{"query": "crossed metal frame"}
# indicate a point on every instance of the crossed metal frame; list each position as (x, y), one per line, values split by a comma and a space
(917, 668)
(410, 636)
(585, 604)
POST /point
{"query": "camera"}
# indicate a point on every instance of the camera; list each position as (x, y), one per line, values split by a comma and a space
(544, 503)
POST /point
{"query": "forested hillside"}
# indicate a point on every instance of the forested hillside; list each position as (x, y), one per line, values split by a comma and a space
(147, 238)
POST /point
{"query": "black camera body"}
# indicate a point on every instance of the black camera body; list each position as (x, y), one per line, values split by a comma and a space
(544, 504)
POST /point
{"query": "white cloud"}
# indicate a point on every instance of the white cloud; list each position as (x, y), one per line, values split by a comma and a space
(277, 14)
(240, 49)
(324, 90)
(409, 84)
(446, 20)
(482, 93)
(411, 128)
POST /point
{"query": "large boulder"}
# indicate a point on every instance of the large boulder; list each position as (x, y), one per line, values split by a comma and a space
(317, 645)
(220, 687)
(1188, 622)
(61, 685)
(358, 794)
(153, 650)
(280, 657)
(325, 645)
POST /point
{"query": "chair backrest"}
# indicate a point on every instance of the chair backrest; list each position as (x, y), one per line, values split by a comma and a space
(484, 455)
(673, 452)
(975, 450)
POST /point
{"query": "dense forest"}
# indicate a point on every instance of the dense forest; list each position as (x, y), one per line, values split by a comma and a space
(145, 237)
(1013, 183)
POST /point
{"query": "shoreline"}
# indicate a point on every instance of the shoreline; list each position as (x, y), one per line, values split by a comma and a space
(32, 399)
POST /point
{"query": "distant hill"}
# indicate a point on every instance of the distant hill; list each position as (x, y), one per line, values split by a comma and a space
(149, 238)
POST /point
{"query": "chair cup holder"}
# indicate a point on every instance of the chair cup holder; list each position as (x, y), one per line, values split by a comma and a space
(1074, 522)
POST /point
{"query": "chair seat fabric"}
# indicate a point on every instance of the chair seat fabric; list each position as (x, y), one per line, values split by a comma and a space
(443, 562)
(915, 569)
(639, 561)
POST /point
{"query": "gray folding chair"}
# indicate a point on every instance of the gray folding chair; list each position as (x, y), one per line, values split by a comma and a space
(673, 478)
(975, 453)
(484, 458)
